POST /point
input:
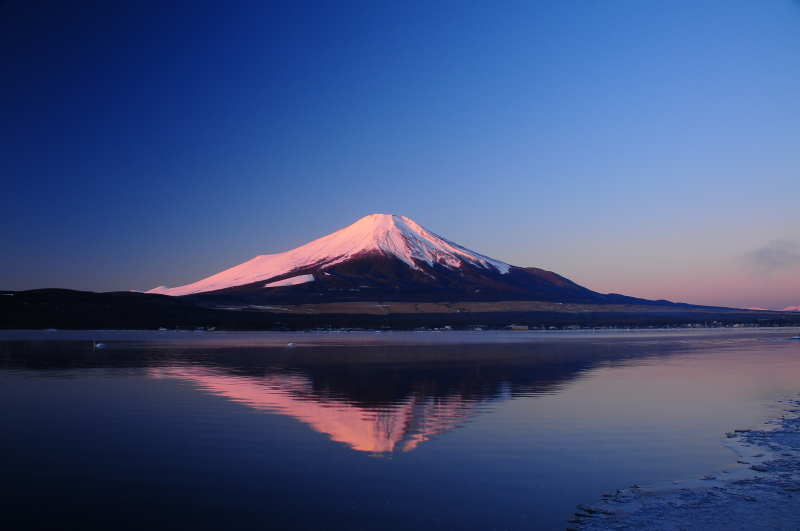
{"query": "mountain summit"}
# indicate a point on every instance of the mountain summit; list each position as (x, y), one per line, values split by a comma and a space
(381, 257)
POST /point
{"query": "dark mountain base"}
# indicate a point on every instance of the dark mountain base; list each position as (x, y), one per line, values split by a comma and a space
(376, 277)
(77, 310)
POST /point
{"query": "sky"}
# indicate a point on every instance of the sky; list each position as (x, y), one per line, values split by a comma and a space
(644, 148)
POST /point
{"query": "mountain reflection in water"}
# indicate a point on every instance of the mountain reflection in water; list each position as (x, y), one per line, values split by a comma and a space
(237, 431)
(373, 398)
(396, 427)
(389, 399)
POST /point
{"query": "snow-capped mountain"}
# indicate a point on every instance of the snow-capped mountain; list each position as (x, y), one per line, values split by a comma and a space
(791, 309)
(379, 257)
(384, 234)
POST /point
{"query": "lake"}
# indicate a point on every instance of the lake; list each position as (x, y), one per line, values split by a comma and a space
(450, 430)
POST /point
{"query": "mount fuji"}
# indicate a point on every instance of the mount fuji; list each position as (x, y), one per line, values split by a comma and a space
(381, 257)
(384, 271)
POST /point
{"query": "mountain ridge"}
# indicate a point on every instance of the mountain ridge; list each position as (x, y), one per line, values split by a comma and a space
(378, 234)
(379, 257)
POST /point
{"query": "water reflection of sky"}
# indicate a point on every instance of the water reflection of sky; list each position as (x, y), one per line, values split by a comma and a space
(387, 404)
(510, 435)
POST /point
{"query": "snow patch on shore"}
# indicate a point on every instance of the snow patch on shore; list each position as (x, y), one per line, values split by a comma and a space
(761, 492)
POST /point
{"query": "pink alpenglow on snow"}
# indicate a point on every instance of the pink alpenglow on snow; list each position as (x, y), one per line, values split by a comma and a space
(293, 281)
(791, 309)
(386, 234)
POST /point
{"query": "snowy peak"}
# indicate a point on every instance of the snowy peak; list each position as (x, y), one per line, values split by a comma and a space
(385, 234)
(402, 238)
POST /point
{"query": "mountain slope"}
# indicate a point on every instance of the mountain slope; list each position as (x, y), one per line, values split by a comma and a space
(381, 234)
(380, 257)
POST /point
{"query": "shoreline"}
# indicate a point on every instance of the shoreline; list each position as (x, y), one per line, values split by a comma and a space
(760, 491)
(403, 337)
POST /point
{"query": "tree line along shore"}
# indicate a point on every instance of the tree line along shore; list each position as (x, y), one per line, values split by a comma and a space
(79, 310)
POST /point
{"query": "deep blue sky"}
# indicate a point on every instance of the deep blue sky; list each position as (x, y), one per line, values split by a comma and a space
(648, 148)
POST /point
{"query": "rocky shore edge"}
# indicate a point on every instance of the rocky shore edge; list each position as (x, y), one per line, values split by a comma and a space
(761, 492)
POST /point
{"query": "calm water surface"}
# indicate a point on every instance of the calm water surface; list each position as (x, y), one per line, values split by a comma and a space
(367, 431)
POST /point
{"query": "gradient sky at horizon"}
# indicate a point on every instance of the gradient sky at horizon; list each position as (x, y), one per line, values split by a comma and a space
(644, 148)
